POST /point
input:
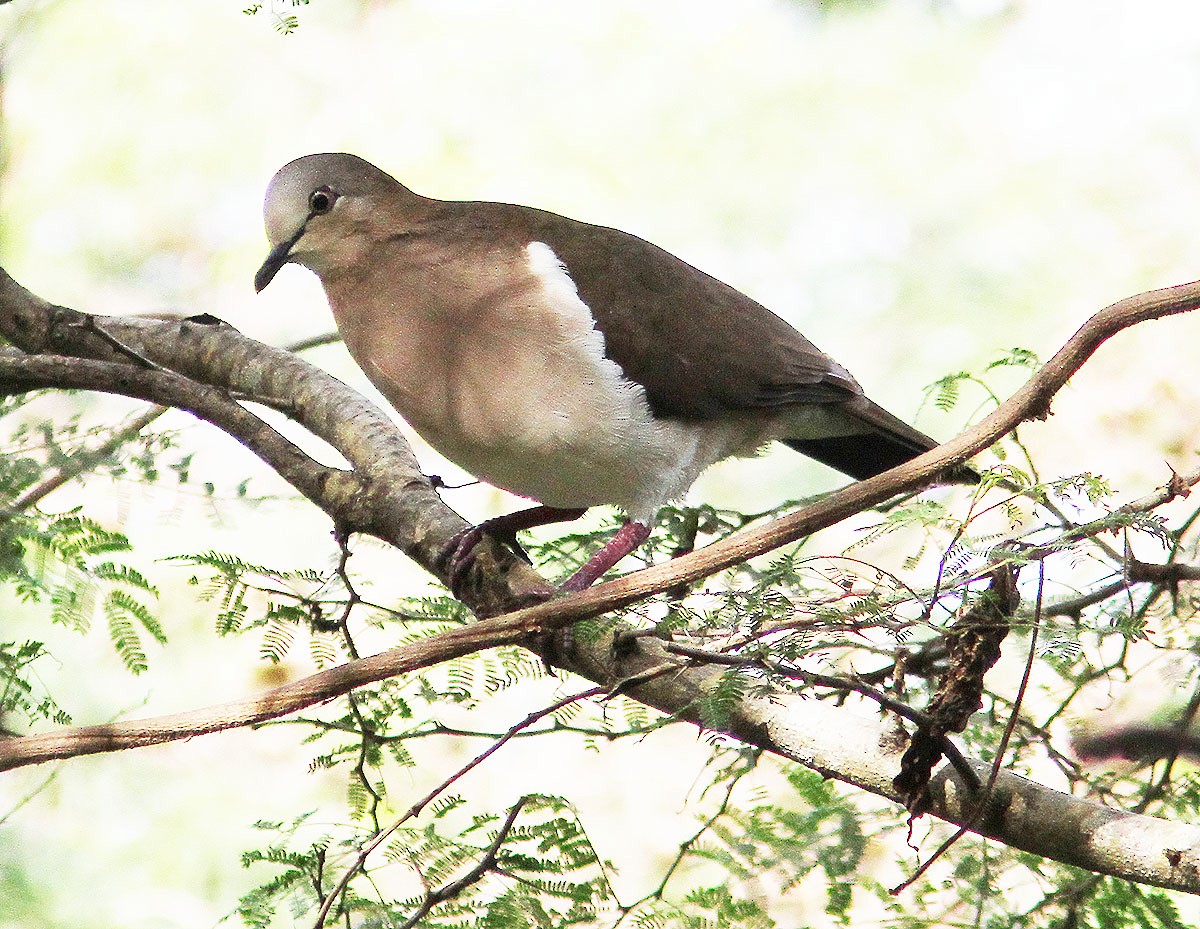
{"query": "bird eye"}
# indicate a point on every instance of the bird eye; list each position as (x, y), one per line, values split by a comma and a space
(321, 201)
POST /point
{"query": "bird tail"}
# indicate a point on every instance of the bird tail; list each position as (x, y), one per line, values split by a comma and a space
(881, 443)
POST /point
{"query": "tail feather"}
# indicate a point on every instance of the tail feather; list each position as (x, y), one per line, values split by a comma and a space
(885, 443)
(859, 456)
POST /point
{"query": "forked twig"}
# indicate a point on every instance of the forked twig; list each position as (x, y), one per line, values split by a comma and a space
(382, 835)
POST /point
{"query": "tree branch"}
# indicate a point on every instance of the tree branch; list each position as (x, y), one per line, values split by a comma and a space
(432, 898)
(389, 498)
(488, 862)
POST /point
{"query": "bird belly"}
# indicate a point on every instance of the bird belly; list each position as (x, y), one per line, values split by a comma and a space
(612, 452)
(564, 428)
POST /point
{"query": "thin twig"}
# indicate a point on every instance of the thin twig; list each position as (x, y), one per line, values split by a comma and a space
(382, 835)
(815, 678)
(93, 324)
(483, 866)
(686, 846)
(314, 341)
(85, 459)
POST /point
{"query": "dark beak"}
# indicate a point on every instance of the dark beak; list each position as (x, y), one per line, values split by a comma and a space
(280, 255)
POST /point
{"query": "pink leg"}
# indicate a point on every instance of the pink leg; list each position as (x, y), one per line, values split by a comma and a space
(628, 537)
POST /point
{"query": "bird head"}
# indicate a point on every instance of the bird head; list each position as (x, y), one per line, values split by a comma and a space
(315, 208)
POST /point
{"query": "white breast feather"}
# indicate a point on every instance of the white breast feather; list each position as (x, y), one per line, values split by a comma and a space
(593, 432)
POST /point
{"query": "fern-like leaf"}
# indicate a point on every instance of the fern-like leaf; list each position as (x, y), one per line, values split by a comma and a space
(126, 641)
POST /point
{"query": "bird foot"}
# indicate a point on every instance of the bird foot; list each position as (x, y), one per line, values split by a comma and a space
(460, 554)
(460, 551)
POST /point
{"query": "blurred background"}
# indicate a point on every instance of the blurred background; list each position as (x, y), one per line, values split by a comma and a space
(918, 186)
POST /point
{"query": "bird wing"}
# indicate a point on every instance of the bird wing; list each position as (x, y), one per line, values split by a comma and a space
(702, 349)
(699, 347)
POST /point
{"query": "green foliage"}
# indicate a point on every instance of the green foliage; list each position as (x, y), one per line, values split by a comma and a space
(19, 691)
(1016, 357)
(946, 391)
(278, 602)
(717, 705)
(295, 870)
(66, 561)
(122, 612)
(820, 831)
(546, 872)
(69, 560)
(1089, 901)
(281, 621)
(1122, 905)
(713, 907)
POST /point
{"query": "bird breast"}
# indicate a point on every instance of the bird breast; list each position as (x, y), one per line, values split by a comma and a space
(503, 371)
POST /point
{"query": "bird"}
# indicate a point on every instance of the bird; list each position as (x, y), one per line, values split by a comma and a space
(572, 364)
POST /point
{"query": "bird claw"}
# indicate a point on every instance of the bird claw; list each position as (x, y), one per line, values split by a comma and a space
(460, 555)
(461, 550)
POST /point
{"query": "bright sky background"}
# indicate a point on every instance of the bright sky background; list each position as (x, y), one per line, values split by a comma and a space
(917, 192)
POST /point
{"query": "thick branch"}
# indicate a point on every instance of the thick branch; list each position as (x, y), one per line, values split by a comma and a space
(19, 372)
(400, 507)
